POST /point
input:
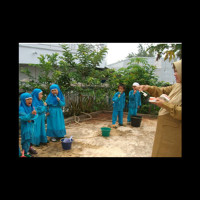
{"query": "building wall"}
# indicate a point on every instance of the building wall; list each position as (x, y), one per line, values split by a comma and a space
(28, 52)
(164, 69)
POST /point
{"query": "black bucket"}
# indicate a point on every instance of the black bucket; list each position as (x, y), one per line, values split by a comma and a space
(136, 121)
(66, 146)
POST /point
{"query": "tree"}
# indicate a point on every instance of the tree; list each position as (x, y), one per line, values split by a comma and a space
(141, 52)
(170, 51)
(138, 70)
(49, 72)
(83, 64)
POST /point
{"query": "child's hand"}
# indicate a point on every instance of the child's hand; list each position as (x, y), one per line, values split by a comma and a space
(118, 95)
(34, 112)
(45, 103)
(58, 98)
(47, 114)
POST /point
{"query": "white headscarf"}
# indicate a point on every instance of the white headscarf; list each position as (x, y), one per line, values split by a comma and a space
(136, 84)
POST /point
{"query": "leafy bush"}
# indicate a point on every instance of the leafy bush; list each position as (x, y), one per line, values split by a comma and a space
(140, 71)
(149, 109)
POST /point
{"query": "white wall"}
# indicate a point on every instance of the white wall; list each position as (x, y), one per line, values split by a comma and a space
(28, 52)
(164, 69)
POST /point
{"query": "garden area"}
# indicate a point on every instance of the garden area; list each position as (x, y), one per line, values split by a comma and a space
(89, 89)
(86, 87)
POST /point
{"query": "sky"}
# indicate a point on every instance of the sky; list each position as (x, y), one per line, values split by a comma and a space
(119, 51)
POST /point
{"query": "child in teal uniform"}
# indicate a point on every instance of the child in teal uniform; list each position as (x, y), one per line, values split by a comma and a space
(55, 120)
(39, 134)
(134, 102)
(118, 106)
(27, 116)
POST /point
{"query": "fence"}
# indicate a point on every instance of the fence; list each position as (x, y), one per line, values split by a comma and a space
(76, 102)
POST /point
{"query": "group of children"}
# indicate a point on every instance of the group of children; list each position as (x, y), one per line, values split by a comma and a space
(32, 112)
(119, 104)
(32, 117)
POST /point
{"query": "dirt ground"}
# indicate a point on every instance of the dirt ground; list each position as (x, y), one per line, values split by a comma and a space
(125, 141)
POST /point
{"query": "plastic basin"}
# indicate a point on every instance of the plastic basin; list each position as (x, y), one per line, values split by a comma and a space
(136, 121)
(105, 131)
(66, 146)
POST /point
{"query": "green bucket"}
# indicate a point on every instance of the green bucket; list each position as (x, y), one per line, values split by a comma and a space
(105, 131)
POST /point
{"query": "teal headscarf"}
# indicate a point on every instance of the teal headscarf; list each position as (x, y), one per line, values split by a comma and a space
(36, 101)
(51, 99)
(23, 107)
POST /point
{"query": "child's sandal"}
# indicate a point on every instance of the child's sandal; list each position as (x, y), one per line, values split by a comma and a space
(32, 151)
(53, 140)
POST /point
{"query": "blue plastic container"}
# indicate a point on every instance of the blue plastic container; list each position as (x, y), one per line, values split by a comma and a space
(66, 146)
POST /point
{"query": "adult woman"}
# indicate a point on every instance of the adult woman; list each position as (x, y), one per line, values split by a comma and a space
(168, 137)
